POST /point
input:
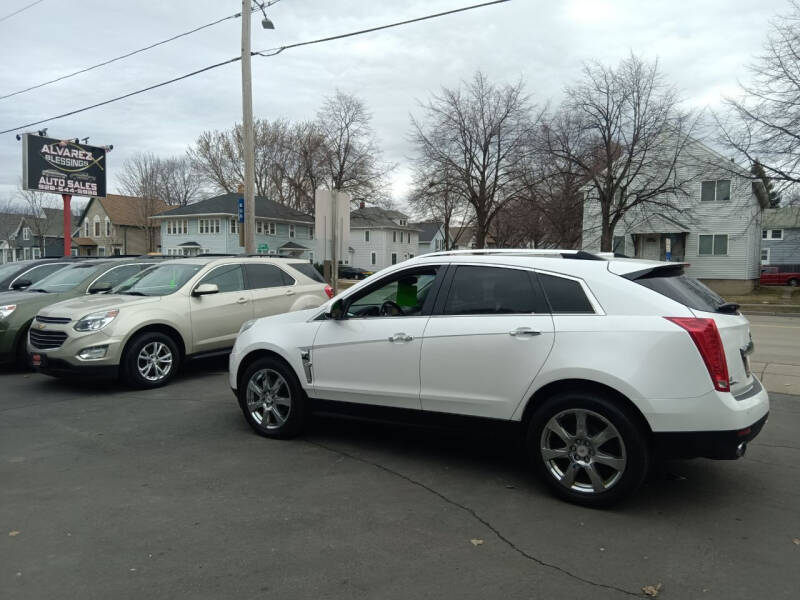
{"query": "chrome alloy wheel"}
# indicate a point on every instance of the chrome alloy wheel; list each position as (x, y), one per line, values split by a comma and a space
(269, 398)
(583, 451)
(154, 361)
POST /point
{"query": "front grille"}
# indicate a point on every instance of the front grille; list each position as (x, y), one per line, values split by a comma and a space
(59, 320)
(47, 340)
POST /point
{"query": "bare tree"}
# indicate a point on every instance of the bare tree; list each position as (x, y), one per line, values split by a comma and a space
(622, 131)
(761, 125)
(179, 182)
(438, 197)
(351, 156)
(479, 135)
(35, 217)
(142, 177)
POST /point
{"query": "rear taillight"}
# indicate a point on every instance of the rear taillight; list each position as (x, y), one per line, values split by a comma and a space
(329, 291)
(706, 337)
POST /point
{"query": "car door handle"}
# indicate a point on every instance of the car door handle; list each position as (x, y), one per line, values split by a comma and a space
(289, 293)
(400, 337)
(524, 332)
(241, 301)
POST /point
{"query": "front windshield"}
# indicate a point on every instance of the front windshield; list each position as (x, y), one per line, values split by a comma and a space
(159, 280)
(64, 280)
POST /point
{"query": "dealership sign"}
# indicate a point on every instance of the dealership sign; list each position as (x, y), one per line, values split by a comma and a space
(63, 167)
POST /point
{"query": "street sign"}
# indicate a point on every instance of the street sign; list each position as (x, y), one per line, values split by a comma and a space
(263, 248)
(241, 210)
(668, 254)
(63, 167)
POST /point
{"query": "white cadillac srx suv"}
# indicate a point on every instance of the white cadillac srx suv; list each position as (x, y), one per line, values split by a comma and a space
(601, 362)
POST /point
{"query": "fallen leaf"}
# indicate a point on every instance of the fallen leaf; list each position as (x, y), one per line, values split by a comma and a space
(13, 533)
(652, 590)
(476, 542)
(796, 541)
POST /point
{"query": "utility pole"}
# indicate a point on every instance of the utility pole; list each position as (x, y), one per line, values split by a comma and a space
(248, 135)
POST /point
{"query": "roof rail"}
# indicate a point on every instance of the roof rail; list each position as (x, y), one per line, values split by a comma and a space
(545, 252)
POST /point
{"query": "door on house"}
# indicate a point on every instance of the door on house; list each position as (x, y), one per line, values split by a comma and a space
(652, 248)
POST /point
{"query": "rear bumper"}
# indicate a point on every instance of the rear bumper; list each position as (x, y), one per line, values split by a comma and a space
(721, 445)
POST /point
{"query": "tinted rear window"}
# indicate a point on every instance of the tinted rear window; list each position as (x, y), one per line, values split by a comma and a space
(674, 284)
(565, 295)
(308, 270)
(266, 276)
(492, 290)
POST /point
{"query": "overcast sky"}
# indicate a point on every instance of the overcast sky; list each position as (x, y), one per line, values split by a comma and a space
(703, 46)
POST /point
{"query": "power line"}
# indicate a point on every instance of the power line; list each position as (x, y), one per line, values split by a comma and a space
(19, 10)
(265, 53)
(276, 51)
(122, 56)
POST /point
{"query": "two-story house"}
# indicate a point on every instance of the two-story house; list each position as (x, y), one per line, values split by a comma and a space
(780, 236)
(431, 236)
(211, 226)
(117, 225)
(380, 237)
(37, 236)
(713, 223)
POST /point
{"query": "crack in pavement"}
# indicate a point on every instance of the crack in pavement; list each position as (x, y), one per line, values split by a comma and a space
(477, 517)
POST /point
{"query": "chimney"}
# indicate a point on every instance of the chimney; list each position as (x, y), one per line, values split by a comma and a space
(361, 204)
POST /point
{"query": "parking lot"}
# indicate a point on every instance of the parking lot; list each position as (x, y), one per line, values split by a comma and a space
(168, 493)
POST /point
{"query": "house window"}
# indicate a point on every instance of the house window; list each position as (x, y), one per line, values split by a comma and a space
(96, 226)
(37, 253)
(291, 230)
(366, 237)
(234, 226)
(101, 251)
(402, 222)
(394, 258)
(260, 227)
(209, 226)
(394, 237)
(311, 233)
(178, 227)
(772, 234)
(715, 191)
(108, 227)
(410, 256)
(619, 244)
(372, 258)
(765, 256)
(73, 252)
(26, 233)
(271, 228)
(713, 245)
(26, 253)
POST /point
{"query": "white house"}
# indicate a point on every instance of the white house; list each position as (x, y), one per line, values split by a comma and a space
(715, 226)
(431, 236)
(381, 237)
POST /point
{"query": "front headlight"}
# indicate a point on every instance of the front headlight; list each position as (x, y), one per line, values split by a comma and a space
(7, 310)
(96, 321)
(247, 325)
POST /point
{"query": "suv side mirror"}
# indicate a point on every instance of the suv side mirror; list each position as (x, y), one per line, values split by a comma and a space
(336, 311)
(21, 284)
(100, 287)
(204, 289)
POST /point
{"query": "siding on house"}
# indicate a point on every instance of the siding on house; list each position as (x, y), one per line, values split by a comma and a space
(785, 251)
(739, 218)
(382, 244)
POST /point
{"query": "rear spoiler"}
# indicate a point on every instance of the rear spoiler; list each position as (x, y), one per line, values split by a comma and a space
(661, 270)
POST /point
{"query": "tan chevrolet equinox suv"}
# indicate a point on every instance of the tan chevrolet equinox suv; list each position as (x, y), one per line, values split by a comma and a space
(176, 310)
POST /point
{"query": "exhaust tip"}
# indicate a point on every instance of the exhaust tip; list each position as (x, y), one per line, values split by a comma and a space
(741, 449)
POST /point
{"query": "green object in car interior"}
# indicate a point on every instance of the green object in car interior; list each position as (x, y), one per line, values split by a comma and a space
(407, 292)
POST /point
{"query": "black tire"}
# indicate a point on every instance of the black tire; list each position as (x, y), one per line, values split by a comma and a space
(150, 340)
(588, 474)
(792, 283)
(22, 359)
(268, 413)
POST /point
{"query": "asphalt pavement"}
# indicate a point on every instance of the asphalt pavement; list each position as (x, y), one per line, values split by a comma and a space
(108, 493)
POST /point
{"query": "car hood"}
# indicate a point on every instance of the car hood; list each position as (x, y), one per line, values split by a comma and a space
(78, 307)
(18, 297)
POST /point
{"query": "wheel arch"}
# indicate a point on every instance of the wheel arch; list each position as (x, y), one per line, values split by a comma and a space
(159, 328)
(541, 395)
(257, 354)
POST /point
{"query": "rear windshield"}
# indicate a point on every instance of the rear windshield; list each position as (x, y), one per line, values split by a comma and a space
(676, 285)
(308, 270)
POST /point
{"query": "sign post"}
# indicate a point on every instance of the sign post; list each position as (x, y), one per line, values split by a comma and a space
(63, 167)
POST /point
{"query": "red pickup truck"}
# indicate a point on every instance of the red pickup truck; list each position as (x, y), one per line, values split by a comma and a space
(771, 276)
